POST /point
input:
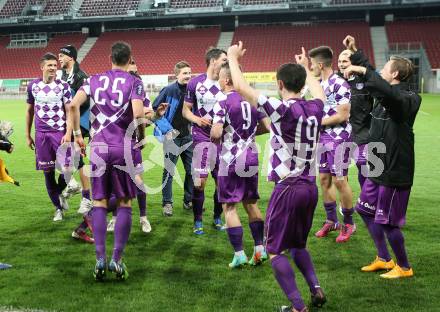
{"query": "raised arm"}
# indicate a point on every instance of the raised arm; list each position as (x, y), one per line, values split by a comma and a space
(235, 52)
(358, 57)
(312, 83)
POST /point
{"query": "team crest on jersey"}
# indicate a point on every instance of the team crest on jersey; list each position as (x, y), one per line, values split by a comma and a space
(359, 86)
(139, 89)
(36, 89)
(202, 90)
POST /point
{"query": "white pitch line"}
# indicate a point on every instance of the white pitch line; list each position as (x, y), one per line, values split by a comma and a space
(425, 113)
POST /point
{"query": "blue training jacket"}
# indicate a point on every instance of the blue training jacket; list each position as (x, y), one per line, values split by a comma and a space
(172, 95)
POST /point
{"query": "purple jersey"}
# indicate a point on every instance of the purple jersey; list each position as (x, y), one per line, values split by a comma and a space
(203, 93)
(49, 102)
(293, 137)
(337, 92)
(111, 111)
(240, 121)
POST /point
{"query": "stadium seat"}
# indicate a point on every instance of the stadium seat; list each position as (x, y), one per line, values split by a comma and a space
(13, 8)
(107, 7)
(270, 46)
(25, 60)
(425, 32)
(155, 52)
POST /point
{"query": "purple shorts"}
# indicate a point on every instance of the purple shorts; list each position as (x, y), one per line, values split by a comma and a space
(386, 204)
(106, 178)
(46, 147)
(335, 159)
(235, 189)
(289, 216)
(205, 159)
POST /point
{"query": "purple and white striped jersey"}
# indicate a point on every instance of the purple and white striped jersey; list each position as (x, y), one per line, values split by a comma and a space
(111, 111)
(49, 102)
(203, 93)
(293, 137)
(240, 121)
(337, 92)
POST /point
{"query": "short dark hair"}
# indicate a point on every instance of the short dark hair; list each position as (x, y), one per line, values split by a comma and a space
(293, 76)
(324, 54)
(48, 57)
(225, 67)
(213, 53)
(121, 53)
(179, 66)
(403, 66)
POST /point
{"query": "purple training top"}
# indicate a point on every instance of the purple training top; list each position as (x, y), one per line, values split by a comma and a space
(203, 93)
(111, 111)
(293, 137)
(49, 102)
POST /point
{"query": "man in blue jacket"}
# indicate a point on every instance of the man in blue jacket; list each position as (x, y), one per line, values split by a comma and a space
(174, 131)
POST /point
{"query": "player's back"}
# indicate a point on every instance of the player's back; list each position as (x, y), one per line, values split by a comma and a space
(294, 137)
(110, 107)
(240, 121)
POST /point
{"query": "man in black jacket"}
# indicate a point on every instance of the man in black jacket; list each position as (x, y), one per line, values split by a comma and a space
(75, 77)
(361, 102)
(384, 198)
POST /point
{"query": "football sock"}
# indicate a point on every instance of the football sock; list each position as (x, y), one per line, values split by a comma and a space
(61, 183)
(304, 263)
(142, 202)
(99, 224)
(397, 242)
(235, 235)
(122, 231)
(330, 209)
(257, 230)
(286, 279)
(198, 200)
(52, 188)
(377, 234)
(86, 194)
(218, 209)
(348, 215)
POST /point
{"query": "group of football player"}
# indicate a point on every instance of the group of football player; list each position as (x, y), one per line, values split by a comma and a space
(321, 119)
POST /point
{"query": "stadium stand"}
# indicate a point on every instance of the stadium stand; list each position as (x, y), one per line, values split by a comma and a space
(23, 62)
(358, 2)
(55, 7)
(155, 52)
(107, 7)
(259, 2)
(180, 4)
(425, 32)
(13, 8)
(270, 46)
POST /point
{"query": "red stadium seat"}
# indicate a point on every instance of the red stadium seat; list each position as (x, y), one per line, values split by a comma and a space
(23, 62)
(270, 46)
(155, 52)
(425, 32)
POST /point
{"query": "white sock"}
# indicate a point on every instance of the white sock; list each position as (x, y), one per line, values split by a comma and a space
(240, 253)
(259, 248)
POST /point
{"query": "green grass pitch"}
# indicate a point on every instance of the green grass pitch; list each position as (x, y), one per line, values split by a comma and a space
(171, 270)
